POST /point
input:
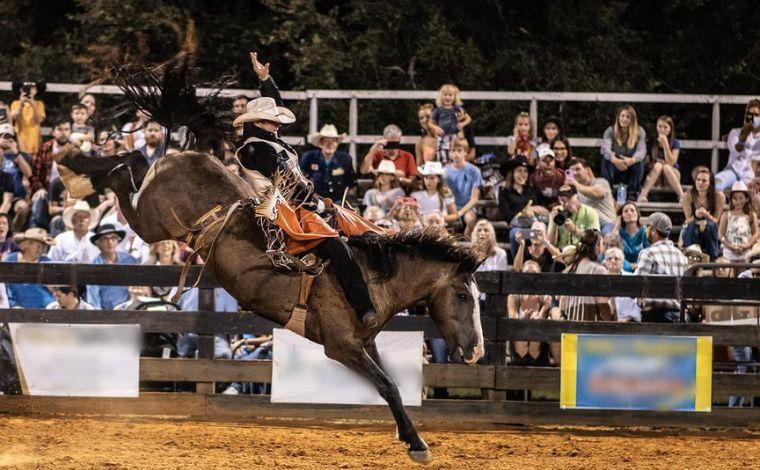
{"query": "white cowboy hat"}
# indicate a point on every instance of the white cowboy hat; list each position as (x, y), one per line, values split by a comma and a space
(567, 253)
(265, 109)
(431, 168)
(80, 206)
(329, 131)
(388, 168)
(36, 235)
(739, 187)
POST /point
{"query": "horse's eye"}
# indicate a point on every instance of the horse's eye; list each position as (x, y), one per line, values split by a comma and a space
(462, 297)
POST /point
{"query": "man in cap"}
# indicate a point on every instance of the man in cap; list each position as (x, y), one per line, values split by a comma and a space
(662, 258)
(547, 178)
(331, 170)
(74, 245)
(107, 238)
(388, 148)
(263, 156)
(570, 219)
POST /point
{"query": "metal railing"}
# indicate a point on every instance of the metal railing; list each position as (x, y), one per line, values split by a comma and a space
(714, 143)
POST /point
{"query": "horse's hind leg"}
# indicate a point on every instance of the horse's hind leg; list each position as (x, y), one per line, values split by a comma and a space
(362, 362)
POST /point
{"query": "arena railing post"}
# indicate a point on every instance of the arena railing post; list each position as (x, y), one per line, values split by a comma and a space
(205, 340)
(495, 306)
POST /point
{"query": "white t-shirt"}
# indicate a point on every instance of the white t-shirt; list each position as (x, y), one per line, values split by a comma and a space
(627, 307)
(495, 262)
(432, 203)
(70, 250)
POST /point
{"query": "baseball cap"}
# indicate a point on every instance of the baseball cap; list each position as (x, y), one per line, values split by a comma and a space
(660, 222)
(567, 190)
(6, 128)
(544, 150)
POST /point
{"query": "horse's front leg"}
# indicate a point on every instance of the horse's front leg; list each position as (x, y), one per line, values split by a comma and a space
(361, 361)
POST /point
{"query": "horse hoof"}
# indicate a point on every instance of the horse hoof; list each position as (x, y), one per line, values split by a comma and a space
(420, 456)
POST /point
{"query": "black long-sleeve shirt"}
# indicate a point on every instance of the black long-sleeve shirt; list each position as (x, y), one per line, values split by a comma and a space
(512, 202)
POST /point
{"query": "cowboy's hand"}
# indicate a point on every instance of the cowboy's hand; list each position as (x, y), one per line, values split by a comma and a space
(262, 70)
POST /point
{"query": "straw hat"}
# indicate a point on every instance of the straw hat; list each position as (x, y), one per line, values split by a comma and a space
(329, 131)
(35, 235)
(386, 167)
(80, 206)
(265, 109)
(696, 250)
(431, 168)
(567, 253)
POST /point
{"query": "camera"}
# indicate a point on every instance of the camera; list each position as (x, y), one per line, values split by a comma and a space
(561, 217)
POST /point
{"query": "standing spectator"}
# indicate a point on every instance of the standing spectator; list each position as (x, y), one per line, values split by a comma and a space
(27, 114)
(239, 104)
(448, 120)
(624, 148)
(563, 153)
(743, 149)
(331, 170)
(435, 195)
(155, 146)
(594, 192)
(388, 148)
(82, 134)
(663, 160)
(88, 101)
(586, 261)
(107, 238)
(660, 259)
(626, 308)
(385, 189)
(134, 132)
(528, 307)
(426, 148)
(703, 208)
(7, 245)
(74, 245)
(521, 141)
(570, 219)
(484, 244)
(464, 180)
(67, 298)
(547, 178)
(633, 235)
(738, 228)
(32, 244)
(45, 173)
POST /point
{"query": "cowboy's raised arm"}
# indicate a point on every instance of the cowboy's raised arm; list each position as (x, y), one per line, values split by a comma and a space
(267, 86)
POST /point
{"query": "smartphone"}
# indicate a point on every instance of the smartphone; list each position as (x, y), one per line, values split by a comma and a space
(529, 234)
(569, 175)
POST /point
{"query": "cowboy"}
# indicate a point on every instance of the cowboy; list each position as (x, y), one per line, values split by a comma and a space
(33, 243)
(74, 244)
(271, 167)
(107, 237)
(331, 170)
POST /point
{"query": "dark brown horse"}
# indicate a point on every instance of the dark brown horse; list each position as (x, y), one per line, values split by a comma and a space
(402, 270)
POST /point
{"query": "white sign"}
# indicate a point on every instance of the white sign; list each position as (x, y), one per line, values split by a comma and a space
(77, 360)
(301, 373)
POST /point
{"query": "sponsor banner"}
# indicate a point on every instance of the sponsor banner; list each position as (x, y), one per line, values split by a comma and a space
(77, 360)
(636, 372)
(301, 373)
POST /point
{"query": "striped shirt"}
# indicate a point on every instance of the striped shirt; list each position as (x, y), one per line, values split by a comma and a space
(661, 259)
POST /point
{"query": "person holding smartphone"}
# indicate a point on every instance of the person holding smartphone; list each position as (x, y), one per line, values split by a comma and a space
(743, 150)
(27, 114)
(389, 148)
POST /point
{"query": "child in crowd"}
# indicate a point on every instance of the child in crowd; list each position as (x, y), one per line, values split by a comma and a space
(425, 148)
(406, 214)
(386, 187)
(738, 225)
(623, 150)
(464, 180)
(552, 130)
(435, 196)
(82, 134)
(448, 119)
(521, 141)
(663, 159)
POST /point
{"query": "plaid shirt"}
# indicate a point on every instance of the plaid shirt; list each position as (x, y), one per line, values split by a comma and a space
(42, 161)
(661, 259)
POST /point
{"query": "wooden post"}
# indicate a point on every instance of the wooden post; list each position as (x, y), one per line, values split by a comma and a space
(534, 116)
(205, 341)
(313, 113)
(496, 307)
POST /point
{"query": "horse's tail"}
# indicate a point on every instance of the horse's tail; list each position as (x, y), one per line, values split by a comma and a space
(167, 94)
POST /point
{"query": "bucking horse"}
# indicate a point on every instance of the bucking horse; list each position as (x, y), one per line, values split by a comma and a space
(169, 200)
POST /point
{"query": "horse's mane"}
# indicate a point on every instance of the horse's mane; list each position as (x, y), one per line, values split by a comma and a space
(431, 243)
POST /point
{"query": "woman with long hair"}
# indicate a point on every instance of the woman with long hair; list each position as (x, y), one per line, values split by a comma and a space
(633, 235)
(738, 227)
(624, 148)
(517, 196)
(663, 159)
(425, 148)
(702, 207)
(743, 149)
(563, 153)
(586, 261)
(484, 243)
(164, 253)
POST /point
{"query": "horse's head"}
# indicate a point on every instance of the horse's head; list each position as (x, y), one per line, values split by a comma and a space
(454, 306)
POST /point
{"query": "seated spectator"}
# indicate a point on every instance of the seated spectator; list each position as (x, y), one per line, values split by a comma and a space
(528, 307)
(585, 261)
(612, 240)
(521, 141)
(663, 160)
(406, 214)
(694, 255)
(434, 219)
(187, 343)
(537, 249)
(164, 253)
(633, 235)
(7, 245)
(563, 153)
(623, 148)
(385, 189)
(155, 142)
(251, 348)
(331, 170)
(484, 244)
(45, 173)
(67, 298)
(464, 180)
(425, 149)
(388, 148)
(447, 120)
(738, 227)
(743, 149)
(593, 192)
(107, 237)
(134, 132)
(703, 208)
(27, 114)
(626, 308)
(16, 169)
(74, 245)
(239, 105)
(518, 201)
(570, 219)
(131, 244)
(435, 195)
(32, 244)
(547, 179)
(661, 258)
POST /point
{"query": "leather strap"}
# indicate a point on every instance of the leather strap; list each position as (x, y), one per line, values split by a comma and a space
(297, 321)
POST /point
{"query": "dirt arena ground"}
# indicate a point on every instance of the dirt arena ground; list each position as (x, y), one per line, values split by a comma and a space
(119, 443)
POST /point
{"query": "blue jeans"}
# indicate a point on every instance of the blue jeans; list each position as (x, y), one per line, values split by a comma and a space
(739, 354)
(707, 239)
(40, 214)
(260, 353)
(439, 350)
(187, 346)
(632, 177)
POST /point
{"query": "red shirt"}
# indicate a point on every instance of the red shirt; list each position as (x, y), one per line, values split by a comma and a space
(547, 185)
(404, 162)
